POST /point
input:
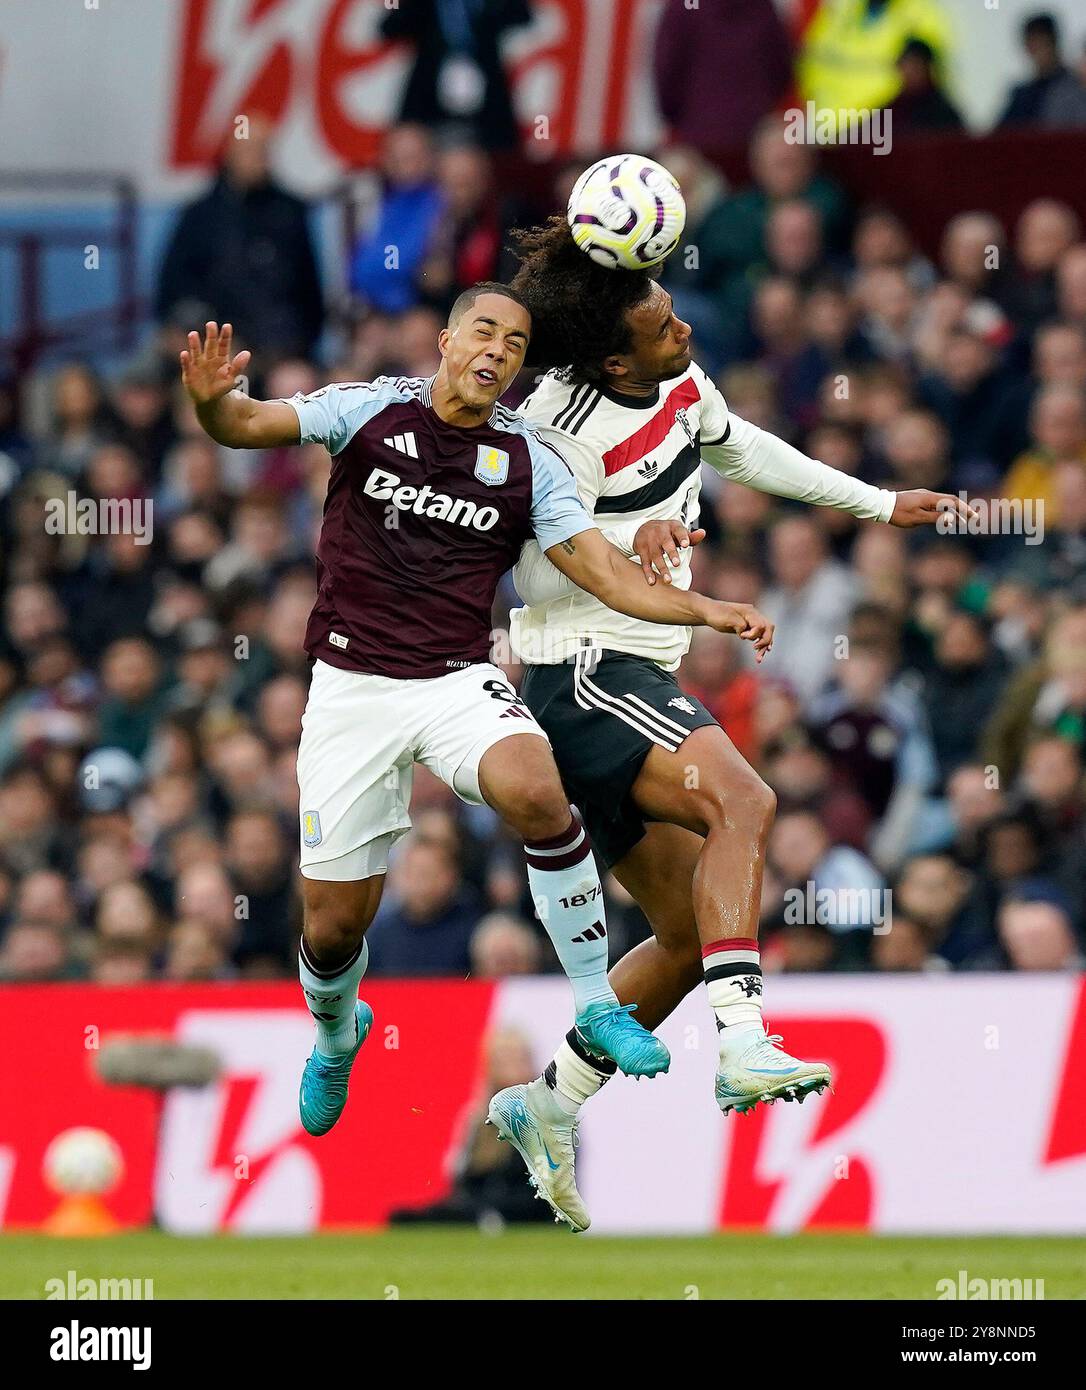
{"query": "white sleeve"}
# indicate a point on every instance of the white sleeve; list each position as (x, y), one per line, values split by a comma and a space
(535, 578)
(714, 408)
(752, 456)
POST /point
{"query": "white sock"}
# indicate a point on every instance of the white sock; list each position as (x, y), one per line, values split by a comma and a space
(573, 1076)
(568, 898)
(733, 981)
(549, 1103)
(331, 996)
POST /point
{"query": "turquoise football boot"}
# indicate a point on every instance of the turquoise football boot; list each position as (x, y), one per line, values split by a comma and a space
(607, 1030)
(323, 1092)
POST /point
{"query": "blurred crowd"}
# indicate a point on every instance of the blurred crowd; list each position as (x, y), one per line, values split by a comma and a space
(921, 718)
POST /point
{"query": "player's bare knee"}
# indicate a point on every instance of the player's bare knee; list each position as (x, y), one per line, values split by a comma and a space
(333, 927)
(541, 810)
(331, 939)
(743, 806)
(751, 809)
(763, 807)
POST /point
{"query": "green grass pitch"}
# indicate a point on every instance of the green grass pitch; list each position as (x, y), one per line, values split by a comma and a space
(432, 1263)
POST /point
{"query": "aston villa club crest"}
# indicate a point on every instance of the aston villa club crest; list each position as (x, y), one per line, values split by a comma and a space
(311, 828)
(491, 465)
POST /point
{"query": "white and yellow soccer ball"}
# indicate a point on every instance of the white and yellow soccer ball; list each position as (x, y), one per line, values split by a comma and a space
(626, 212)
(83, 1160)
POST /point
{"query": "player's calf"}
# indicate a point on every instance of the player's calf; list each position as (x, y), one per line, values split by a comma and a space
(332, 960)
(731, 808)
(519, 779)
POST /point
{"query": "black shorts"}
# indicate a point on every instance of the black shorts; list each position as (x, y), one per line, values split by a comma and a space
(602, 712)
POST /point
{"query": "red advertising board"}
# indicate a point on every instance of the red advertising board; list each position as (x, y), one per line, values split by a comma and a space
(958, 1105)
(422, 1067)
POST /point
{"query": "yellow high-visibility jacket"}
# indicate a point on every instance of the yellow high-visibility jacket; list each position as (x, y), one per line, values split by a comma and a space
(847, 57)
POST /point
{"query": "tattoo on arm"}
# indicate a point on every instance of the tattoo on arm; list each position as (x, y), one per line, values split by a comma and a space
(569, 547)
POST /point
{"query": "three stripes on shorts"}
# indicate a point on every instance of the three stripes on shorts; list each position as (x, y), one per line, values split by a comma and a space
(631, 709)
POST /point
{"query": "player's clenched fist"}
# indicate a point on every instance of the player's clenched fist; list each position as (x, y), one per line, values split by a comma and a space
(745, 621)
(207, 370)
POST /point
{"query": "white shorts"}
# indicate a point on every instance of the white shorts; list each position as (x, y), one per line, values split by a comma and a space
(360, 736)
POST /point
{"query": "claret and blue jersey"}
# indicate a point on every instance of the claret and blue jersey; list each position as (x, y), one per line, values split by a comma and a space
(421, 521)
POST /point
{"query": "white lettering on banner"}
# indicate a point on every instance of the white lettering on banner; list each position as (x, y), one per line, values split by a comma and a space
(197, 1193)
(886, 1151)
(885, 1039)
(317, 67)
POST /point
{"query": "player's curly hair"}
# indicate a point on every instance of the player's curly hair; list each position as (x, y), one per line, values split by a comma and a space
(578, 307)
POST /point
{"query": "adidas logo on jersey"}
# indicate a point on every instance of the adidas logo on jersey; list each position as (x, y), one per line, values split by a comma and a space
(424, 501)
(649, 468)
(403, 444)
(681, 702)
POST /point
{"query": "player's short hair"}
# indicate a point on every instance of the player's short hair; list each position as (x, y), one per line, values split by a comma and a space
(578, 308)
(467, 299)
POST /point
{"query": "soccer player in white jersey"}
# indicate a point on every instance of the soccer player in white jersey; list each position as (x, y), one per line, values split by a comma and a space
(434, 488)
(635, 417)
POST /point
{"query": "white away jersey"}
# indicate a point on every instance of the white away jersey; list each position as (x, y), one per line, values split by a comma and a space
(637, 460)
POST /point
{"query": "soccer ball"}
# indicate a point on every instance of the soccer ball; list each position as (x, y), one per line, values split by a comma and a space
(626, 212)
(83, 1161)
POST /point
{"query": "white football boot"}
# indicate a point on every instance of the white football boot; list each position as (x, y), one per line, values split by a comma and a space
(754, 1068)
(545, 1137)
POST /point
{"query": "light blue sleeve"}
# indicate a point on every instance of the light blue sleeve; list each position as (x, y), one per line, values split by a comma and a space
(557, 511)
(335, 413)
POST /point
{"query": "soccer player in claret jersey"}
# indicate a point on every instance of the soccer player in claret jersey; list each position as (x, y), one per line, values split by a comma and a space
(635, 417)
(434, 489)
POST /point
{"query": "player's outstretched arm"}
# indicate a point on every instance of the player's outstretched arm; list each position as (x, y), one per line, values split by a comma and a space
(593, 563)
(210, 376)
(760, 460)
